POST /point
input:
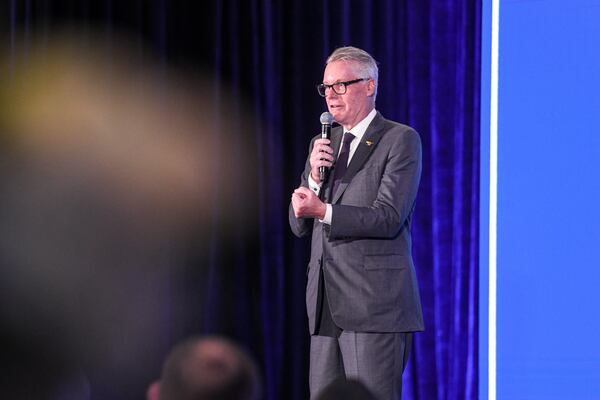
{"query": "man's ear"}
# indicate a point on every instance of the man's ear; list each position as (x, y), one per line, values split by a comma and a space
(371, 88)
(153, 391)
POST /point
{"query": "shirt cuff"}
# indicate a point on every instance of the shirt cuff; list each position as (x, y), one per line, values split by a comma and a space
(314, 186)
(328, 211)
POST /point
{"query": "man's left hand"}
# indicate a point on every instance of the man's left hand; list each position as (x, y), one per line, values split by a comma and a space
(306, 204)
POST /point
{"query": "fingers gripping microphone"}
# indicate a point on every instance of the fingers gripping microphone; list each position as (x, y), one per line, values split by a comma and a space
(326, 121)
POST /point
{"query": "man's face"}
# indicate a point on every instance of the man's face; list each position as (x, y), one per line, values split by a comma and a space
(350, 108)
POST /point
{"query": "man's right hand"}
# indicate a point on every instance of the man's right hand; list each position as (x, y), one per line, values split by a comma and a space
(321, 156)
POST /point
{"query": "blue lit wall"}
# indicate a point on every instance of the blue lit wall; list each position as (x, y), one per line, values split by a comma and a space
(548, 301)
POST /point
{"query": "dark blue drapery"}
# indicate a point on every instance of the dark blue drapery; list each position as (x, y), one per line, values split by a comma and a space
(429, 79)
(250, 276)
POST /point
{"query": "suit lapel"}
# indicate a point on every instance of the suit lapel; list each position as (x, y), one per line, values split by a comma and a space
(336, 140)
(368, 143)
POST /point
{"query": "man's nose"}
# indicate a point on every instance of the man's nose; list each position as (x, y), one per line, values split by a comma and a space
(329, 92)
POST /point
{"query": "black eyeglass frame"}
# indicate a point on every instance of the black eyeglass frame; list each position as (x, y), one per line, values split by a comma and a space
(322, 88)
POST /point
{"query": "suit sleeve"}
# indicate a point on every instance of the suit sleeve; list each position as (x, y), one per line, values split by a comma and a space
(302, 226)
(395, 198)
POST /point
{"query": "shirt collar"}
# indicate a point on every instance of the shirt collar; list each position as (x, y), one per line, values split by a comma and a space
(359, 130)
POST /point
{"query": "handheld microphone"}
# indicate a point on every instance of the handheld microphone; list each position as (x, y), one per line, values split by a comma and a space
(326, 121)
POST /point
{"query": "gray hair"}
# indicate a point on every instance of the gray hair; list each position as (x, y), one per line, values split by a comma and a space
(365, 64)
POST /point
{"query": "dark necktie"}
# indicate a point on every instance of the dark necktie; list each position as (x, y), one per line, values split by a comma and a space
(341, 165)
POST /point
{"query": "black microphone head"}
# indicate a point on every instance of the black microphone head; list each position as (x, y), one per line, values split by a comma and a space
(326, 118)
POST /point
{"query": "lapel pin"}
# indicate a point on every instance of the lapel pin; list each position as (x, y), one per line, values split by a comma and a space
(368, 142)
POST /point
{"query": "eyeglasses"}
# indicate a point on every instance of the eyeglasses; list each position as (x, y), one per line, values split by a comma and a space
(338, 87)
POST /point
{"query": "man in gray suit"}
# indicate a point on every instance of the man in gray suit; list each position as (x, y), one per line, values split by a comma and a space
(362, 296)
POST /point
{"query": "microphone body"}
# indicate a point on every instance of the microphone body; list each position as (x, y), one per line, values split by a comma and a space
(326, 121)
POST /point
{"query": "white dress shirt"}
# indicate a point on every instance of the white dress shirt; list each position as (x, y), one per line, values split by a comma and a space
(358, 131)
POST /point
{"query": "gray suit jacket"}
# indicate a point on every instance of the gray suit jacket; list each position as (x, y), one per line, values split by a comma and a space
(365, 254)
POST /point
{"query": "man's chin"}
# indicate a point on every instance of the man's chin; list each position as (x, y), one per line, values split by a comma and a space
(337, 116)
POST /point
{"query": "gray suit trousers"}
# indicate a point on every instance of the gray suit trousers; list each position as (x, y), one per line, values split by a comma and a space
(375, 359)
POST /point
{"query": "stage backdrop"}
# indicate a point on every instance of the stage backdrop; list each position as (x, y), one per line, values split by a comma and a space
(548, 191)
(247, 278)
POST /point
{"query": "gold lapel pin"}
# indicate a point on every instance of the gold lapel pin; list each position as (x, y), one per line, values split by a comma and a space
(368, 142)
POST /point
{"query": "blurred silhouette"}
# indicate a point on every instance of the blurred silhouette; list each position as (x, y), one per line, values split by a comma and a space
(347, 389)
(108, 166)
(210, 368)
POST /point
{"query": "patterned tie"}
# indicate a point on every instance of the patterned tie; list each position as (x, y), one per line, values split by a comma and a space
(341, 165)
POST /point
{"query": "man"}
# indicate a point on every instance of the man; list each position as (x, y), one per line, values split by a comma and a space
(210, 368)
(362, 297)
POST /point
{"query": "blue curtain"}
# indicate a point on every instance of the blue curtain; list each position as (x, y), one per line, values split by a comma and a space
(429, 65)
(246, 279)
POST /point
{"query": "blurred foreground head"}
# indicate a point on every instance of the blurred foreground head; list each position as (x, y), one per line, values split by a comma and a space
(347, 389)
(108, 166)
(211, 368)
